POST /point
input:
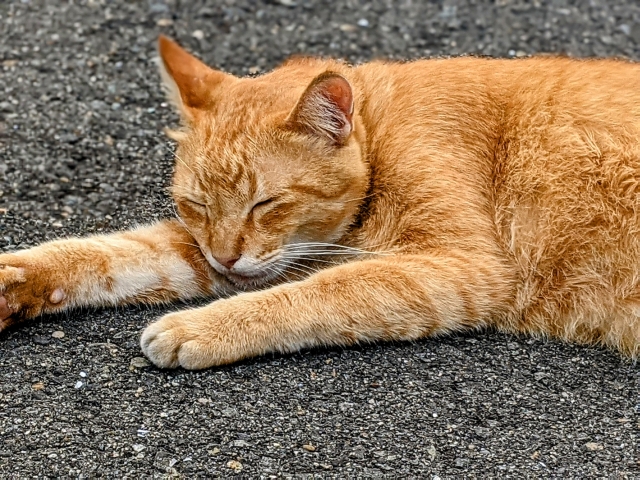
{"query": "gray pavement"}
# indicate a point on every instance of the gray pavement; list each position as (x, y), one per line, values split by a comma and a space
(81, 150)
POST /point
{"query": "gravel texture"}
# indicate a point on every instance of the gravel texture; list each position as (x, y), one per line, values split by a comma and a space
(81, 150)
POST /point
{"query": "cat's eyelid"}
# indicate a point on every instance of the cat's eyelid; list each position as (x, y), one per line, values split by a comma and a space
(262, 203)
(194, 201)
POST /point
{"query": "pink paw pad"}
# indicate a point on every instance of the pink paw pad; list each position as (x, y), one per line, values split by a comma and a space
(57, 296)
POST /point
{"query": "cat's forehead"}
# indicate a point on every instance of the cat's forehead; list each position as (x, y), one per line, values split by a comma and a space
(251, 100)
(232, 151)
(245, 163)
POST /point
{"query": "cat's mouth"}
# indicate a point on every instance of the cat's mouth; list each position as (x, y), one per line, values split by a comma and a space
(255, 277)
(249, 280)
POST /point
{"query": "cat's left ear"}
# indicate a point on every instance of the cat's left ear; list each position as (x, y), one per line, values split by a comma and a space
(325, 109)
(189, 82)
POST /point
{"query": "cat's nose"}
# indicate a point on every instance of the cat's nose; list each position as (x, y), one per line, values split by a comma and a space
(228, 262)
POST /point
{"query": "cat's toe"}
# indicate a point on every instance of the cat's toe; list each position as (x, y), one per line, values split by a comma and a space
(5, 314)
(177, 341)
(5, 311)
(161, 342)
(195, 355)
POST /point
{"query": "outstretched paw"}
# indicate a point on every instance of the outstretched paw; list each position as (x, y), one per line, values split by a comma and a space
(10, 277)
(161, 341)
(5, 313)
(192, 339)
(24, 291)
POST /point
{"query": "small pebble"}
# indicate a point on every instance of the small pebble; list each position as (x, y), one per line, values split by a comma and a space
(58, 334)
(137, 447)
(593, 446)
(199, 34)
(164, 22)
(139, 362)
(78, 385)
(37, 386)
(309, 448)
(347, 27)
(431, 450)
(41, 340)
(234, 465)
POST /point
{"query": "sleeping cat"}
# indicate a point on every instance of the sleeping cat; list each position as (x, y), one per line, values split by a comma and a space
(387, 201)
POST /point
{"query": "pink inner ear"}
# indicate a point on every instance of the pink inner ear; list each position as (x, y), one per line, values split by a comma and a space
(325, 109)
(338, 91)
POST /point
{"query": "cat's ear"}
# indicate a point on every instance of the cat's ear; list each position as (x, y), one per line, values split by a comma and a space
(325, 109)
(188, 81)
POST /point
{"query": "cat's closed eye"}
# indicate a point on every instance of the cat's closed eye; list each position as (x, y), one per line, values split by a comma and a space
(262, 203)
(195, 204)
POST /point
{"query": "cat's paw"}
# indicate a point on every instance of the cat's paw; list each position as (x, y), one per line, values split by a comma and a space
(12, 280)
(197, 338)
(5, 313)
(24, 291)
(176, 341)
(161, 341)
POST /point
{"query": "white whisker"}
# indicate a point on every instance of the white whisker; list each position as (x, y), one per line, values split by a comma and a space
(190, 244)
(304, 259)
(177, 157)
(311, 246)
(291, 264)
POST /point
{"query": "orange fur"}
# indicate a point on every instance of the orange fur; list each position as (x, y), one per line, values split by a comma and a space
(384, 201)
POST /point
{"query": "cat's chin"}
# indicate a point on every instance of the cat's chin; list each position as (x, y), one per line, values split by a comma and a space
(248, 281)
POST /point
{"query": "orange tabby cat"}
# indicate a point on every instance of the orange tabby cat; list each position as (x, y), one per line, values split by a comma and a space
(378, 202)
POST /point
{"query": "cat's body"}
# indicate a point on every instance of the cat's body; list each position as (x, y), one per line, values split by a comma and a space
(456, 193)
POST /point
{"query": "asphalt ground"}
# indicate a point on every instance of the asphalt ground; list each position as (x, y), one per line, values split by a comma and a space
(82, 151)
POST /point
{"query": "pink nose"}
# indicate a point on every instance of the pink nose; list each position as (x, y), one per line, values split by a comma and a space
(228, 262)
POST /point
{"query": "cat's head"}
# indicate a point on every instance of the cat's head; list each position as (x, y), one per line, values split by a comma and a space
(264, 165)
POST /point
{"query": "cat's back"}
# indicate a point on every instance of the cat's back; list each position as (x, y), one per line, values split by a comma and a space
(523, 91)
(544, 131)
(493, 132)
(542, 157)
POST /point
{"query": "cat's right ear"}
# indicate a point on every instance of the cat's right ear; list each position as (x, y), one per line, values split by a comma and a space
(325, 109)
(188, 81)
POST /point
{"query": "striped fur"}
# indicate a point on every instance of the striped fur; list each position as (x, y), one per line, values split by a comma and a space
(386, 201)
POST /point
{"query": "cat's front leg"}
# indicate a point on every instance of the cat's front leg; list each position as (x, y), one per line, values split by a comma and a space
(154, 264)
(394, 298)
